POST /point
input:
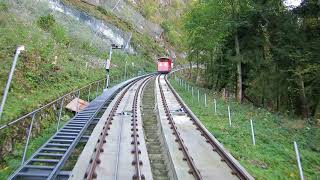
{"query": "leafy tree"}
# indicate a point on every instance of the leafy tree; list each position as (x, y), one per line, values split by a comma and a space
(264, 52)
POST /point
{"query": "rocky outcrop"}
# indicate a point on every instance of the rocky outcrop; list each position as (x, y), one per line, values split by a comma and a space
(127, 13)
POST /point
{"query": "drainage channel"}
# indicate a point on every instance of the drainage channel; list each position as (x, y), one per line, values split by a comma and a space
(150, 126)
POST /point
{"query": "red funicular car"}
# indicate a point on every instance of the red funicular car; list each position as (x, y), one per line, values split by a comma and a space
(164, 65)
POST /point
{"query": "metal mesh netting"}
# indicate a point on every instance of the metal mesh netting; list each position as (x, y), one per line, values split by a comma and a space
(77, 23)
(127, 13)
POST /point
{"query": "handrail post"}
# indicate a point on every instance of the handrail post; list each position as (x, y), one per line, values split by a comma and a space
(97, 88)
(28, 139)
(60, 113)
(78, 108)
(89, 93)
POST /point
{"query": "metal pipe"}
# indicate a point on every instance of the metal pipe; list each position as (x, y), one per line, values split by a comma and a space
(108, 79)
(28, 139)
(252, 133)
(13, 67)
(298, 160)
(229, 115)
(198, 96)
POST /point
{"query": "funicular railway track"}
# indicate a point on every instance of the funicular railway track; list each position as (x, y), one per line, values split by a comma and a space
(235, 168)
(187, 157)
(119, 147)
(95, 159)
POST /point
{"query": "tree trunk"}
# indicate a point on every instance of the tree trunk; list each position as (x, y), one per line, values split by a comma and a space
(198, 73)
(305, 108)
(239, 70)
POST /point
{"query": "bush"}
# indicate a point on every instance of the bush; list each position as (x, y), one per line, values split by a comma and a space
(3, 6)
(60, 35)
(46, 22)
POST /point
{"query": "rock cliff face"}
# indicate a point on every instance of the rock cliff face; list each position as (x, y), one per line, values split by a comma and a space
(127, 13)
(107, 32)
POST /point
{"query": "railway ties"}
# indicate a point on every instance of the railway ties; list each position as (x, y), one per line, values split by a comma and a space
(195, 153)
(116, 149)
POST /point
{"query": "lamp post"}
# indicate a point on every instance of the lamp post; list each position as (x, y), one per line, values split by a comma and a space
(108, 61)
(13, 67)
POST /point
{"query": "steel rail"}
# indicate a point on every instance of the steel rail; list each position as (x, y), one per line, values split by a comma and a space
(138, 175)
(236, 170)
(193, 169)
(94, 161)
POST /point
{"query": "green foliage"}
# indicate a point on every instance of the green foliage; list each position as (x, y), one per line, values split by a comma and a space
(277, 56)
(60, 35)
(3, 6)
(149, 8)
(46, 22)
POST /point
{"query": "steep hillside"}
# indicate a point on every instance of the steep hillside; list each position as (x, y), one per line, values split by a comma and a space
(57, 50)
(169, 14)
(160, 20)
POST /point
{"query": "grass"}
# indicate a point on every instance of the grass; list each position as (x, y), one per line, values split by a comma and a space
(273, 157)
(49, 68)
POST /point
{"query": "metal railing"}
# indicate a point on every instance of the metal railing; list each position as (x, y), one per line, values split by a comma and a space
(62, 99)
(93, 89)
